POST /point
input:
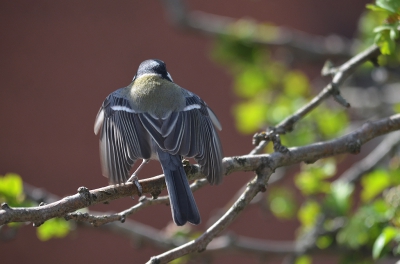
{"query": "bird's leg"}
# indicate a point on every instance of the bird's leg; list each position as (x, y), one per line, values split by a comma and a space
(135, 179)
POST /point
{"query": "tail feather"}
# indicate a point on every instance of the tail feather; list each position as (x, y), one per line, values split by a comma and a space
(183, 205)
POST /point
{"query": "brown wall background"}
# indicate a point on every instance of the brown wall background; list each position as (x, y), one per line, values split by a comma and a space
(60, 59)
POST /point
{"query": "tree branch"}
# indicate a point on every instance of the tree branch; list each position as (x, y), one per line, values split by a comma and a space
(341, 73)
(302, 44)
(256, 185)
(141, 233)
(350, 143)
(307, 242)
(101, 219)
(368, 163)
(144, 234)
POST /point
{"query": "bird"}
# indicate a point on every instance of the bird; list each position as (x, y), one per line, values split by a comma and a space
(153, 118)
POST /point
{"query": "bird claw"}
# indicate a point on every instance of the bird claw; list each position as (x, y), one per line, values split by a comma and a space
(135, 180)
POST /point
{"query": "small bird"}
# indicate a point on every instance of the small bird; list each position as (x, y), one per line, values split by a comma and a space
(154, 118)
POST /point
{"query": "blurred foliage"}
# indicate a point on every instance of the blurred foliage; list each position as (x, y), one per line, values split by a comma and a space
(312, 178)
(375, 182)
(364, 226)
(271, 91)
(362, 218)
(324, 242)
(308, 213)
(12, 193)
(12, 190)
(305, 259)
(386, 32)
(53, 228)
(282, 202)
(388, 234)
(338, 200)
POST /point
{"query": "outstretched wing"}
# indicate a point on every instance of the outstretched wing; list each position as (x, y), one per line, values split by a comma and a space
(190, 133)
(123, 139)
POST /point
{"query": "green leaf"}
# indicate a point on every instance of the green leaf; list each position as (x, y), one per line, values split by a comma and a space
(311, 179)
(374, 183)
(250, 82)
(364, 227)
(308, 213)
(376, 8)
(296, 84)
(382, 28)
(11, 185)
(305, 259)
(250, 116)
(53, 228)
(389, 5)
(330, 122)
(324, 242)
(309, 182)
(11, 190)
(384, 238)
(394, 34)
(282, 202)
(368, 22)
(386, 44)
(339, 199)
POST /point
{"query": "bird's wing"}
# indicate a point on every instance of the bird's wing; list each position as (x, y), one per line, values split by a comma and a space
(189, 133)
(123, 139)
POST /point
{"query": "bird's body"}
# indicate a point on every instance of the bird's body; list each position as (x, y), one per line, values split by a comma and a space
(149, 88)
(154, 118)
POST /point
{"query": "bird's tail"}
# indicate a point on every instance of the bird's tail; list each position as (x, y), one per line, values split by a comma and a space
(183, 205)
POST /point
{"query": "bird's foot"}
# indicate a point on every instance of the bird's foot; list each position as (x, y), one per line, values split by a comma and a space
(135, 180)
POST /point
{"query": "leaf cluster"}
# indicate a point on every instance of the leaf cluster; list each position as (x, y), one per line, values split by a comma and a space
(12, 192)
(384, 19)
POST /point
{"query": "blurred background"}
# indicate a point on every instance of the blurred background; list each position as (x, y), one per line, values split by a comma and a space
(60, 59)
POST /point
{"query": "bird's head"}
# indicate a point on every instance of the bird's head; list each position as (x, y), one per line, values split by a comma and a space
(153, 67)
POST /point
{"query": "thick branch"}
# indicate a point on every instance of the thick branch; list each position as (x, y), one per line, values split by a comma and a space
(141, 233)
(368, 163)
(101, 219)
(350, 143)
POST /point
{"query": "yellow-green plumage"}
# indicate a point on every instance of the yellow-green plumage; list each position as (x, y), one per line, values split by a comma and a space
(155, 95)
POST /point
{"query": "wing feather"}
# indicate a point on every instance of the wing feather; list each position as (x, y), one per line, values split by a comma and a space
(127, 135)
(123, 138)
(192, 134)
